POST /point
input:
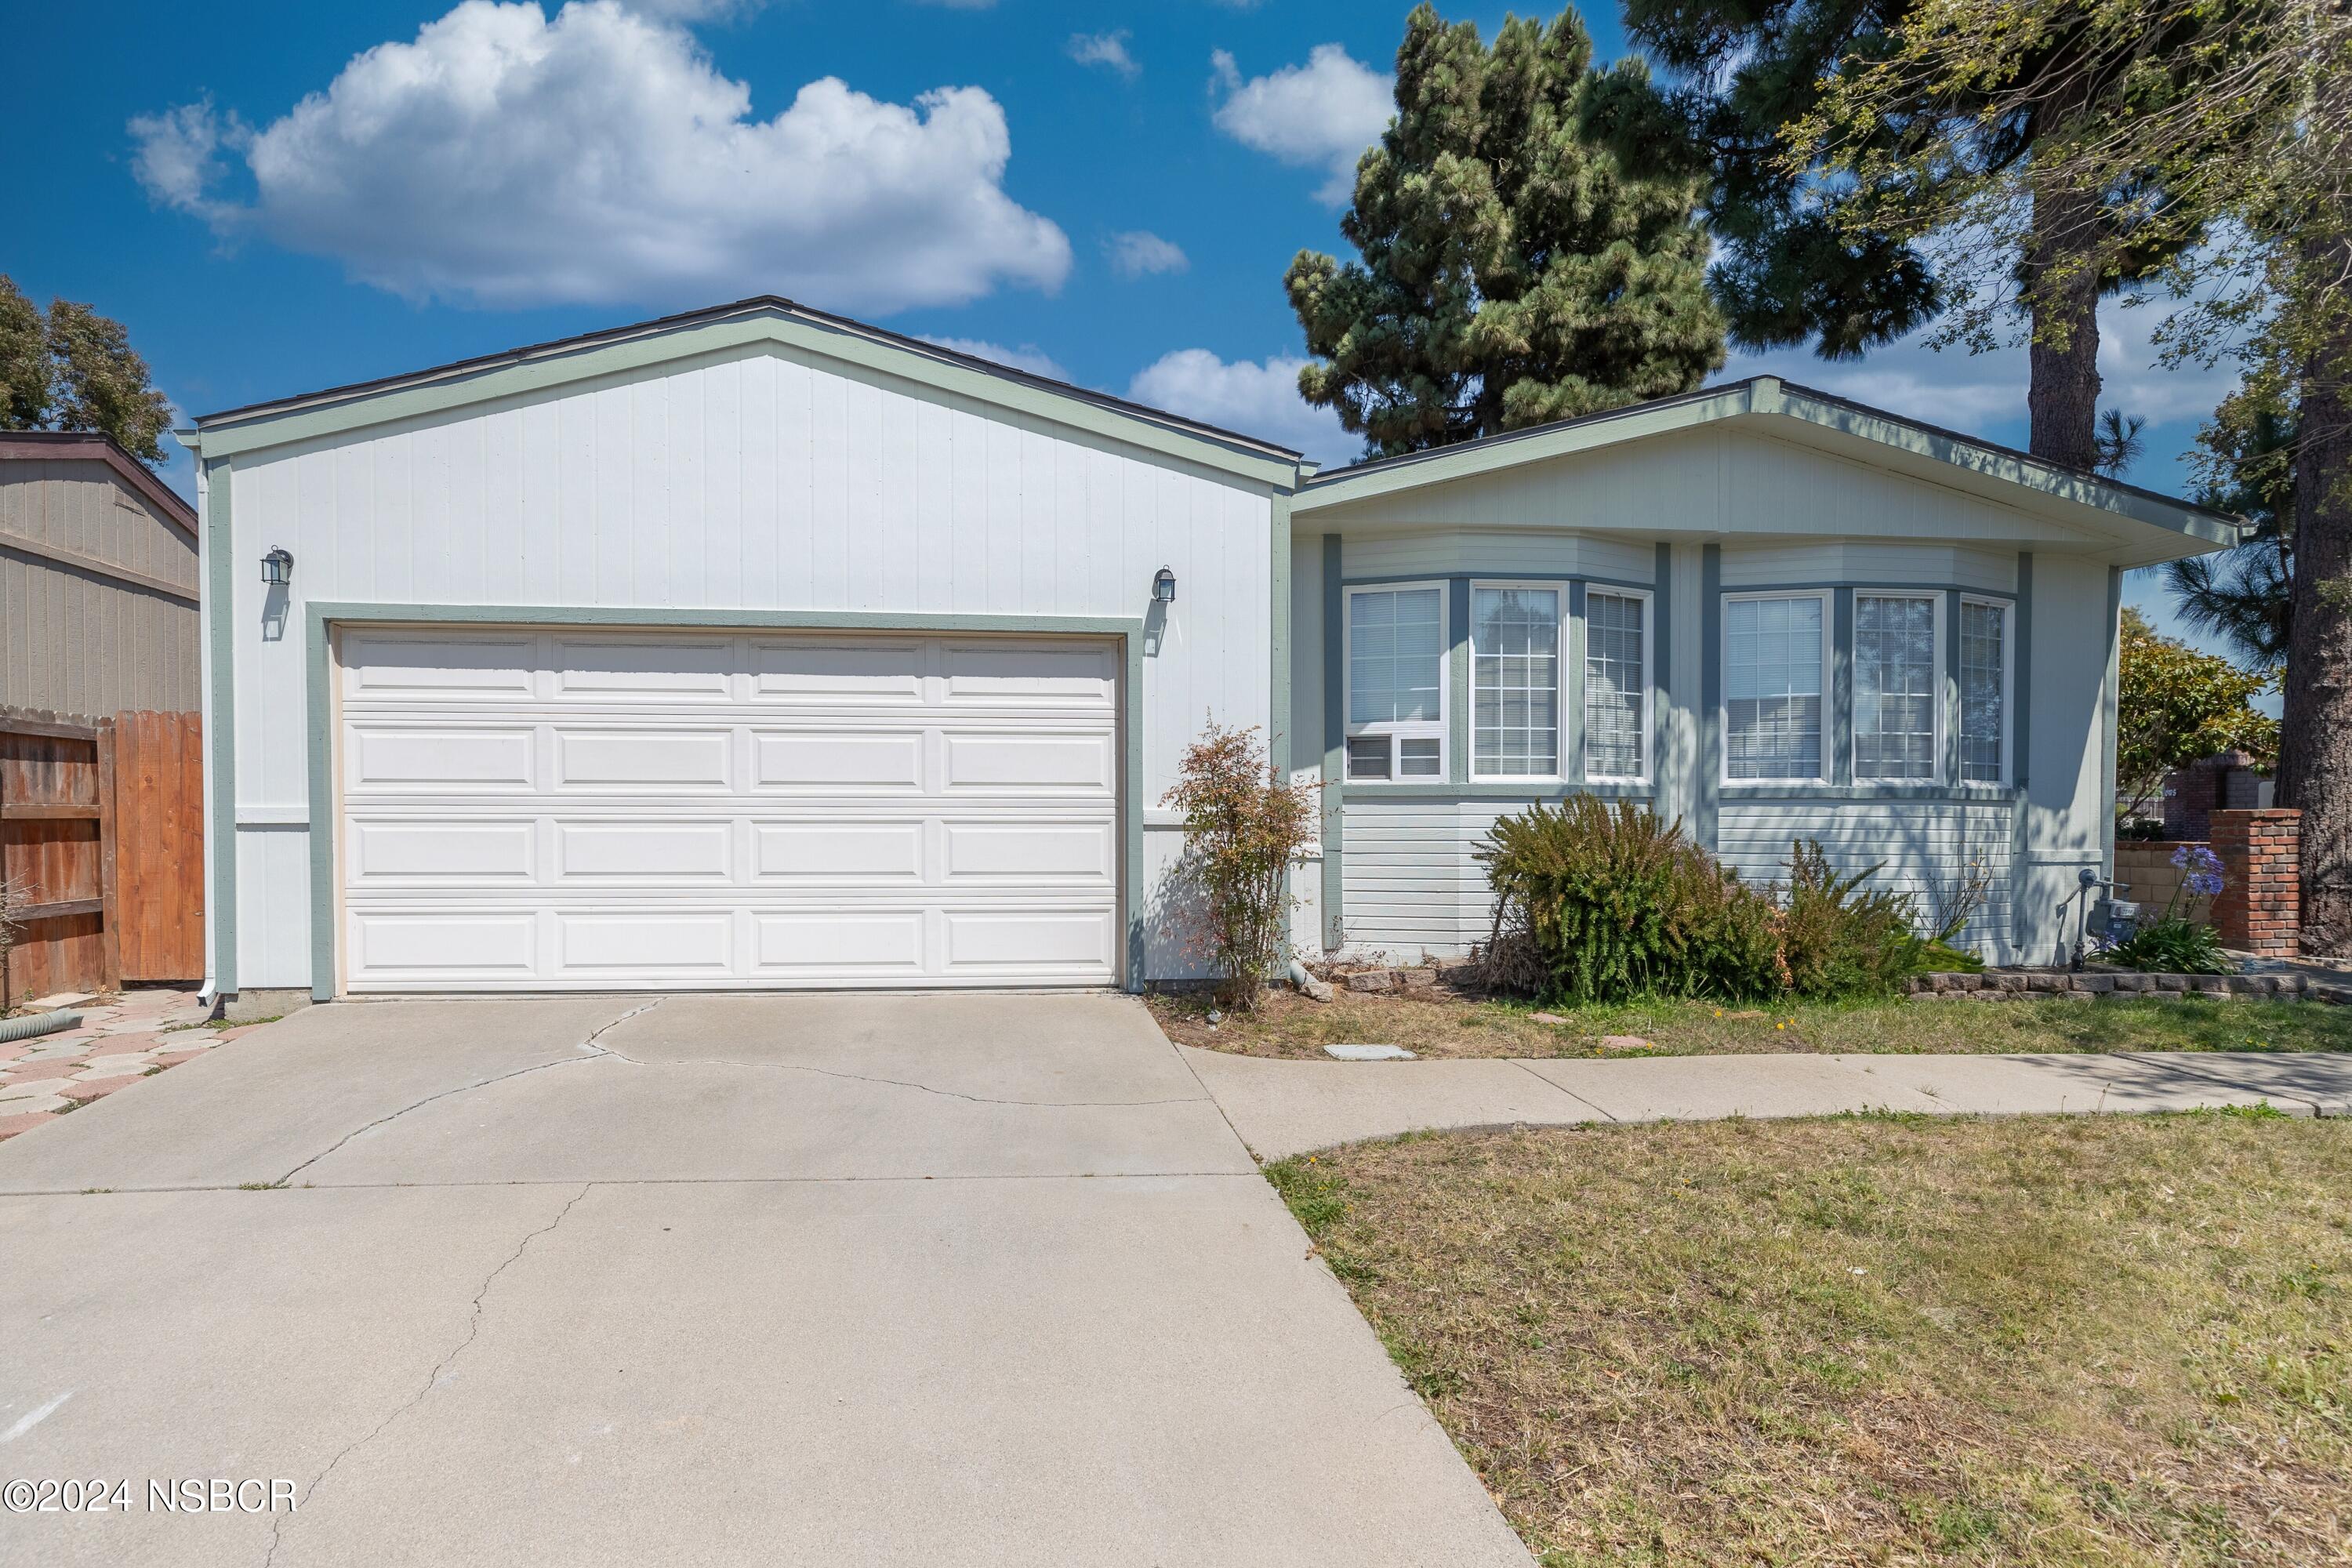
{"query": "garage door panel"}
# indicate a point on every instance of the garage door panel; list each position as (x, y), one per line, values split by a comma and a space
(445, 946)
(390, 850)
(812, 759)
(664, 670)
(395, 760)
(669, 851)
(982, 760)
(1036, 941)
(645, 942)
(817, 944)
(1079, 851)
(833, 671)
(835, 850)
(404, 666)
(1059, 673)
(625, 759)
(715, 811)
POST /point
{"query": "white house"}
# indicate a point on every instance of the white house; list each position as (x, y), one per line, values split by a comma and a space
(758, 648)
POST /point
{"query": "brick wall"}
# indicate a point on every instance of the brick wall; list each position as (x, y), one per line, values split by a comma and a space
(2260, 910)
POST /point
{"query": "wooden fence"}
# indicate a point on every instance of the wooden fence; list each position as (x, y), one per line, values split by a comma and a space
(101, 831)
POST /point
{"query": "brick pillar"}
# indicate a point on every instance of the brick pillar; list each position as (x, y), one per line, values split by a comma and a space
(2260, 910)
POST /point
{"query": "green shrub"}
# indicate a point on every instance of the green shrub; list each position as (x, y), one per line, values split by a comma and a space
(1596, 902)
(1618, 905)
(2173, 946)
(1840, 940)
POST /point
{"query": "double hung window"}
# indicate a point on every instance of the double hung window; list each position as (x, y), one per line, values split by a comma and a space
(1774, 662)
(1396, 682)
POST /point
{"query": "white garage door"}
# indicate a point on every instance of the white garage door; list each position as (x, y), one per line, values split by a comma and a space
(573, 810)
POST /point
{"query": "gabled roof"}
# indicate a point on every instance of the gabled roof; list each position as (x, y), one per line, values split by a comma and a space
(133, 474)
(1820, 419)
(537, 366)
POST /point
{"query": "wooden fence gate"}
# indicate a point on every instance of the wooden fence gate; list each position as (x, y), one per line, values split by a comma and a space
(102, 833)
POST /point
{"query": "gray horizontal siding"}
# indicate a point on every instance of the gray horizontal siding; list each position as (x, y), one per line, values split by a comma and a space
(1410, 878)
(1922, 848)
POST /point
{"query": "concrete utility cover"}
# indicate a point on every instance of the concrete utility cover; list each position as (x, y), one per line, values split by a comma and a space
(814, 1281)
(1368, 1053)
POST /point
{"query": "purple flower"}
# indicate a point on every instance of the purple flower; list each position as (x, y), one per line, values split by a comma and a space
(2201, 884)
(2197, 858)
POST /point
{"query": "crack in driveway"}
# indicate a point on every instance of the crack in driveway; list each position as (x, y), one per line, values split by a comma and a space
(588, 1045)
(432, 1381)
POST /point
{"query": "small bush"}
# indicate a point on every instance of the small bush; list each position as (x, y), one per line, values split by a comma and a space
(1244, 825)
(1597, 903)
(1840, 940)
(2173, 945)
(1618, 905)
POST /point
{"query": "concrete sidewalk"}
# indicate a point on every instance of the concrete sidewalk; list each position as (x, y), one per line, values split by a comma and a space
(1284, 1107)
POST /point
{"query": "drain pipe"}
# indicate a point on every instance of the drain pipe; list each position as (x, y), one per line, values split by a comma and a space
(33, 1025)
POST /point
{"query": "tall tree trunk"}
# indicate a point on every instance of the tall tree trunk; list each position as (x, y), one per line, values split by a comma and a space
(2314, 767)
(2063, 303)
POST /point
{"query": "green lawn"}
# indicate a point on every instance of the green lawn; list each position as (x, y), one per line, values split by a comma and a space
(1440, 1023)
(2109, 1341)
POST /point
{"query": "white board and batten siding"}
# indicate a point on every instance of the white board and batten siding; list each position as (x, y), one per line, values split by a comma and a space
(761, 481)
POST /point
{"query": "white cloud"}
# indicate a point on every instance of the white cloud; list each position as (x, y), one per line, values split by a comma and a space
(697, 10)
(1028, 356)
(1138, 252)
(1321, 115)
(507, 159)
(1107, 49)
(1244, 396)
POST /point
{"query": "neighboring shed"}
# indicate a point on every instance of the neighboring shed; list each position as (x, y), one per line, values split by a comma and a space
(100, 754)
(97, 581)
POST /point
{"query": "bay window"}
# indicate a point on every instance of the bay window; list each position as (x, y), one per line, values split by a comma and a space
(1774, 662)
(1616, 685)
(1396, 682)
(1984, 691)
(1897, 687)
(1515, 637)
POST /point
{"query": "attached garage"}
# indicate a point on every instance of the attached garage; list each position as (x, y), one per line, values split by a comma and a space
(553, 810)
(750, 648)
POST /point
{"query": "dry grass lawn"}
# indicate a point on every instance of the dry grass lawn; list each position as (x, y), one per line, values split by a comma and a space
(1442, 1022)
(2102, 1340)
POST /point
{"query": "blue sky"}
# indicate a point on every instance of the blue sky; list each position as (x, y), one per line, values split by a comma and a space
(279, 197)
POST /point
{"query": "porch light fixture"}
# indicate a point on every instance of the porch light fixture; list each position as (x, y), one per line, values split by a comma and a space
(277, 568)
(1164, 587)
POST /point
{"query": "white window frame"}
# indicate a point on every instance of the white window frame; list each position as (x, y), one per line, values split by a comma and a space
(2008, 608)
(1939, 684)
(1558, 588)
(1649, 681)
(1723, 684)
(1398, 729)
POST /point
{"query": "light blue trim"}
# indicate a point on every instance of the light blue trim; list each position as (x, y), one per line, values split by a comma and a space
(1877, 588)
(1494, 789)
(1277, 738)
(1984, 794)
(1458, 679)
(1662, 649)
(2108, 695)
(1841, 735)
(324, 615)
(1707, 788)
(1335, 739)
(2021, 668)
(1571, 682)
(1499, 574)
(220, 608)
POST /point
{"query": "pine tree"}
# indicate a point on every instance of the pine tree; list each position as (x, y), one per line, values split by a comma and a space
(1522, 261)
(1815, 252)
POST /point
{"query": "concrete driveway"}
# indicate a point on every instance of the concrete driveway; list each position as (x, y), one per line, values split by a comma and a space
(827, 1280)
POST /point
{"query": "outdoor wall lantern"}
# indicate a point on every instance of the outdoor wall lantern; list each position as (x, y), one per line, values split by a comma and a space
(1164, 587)
(277, 568)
